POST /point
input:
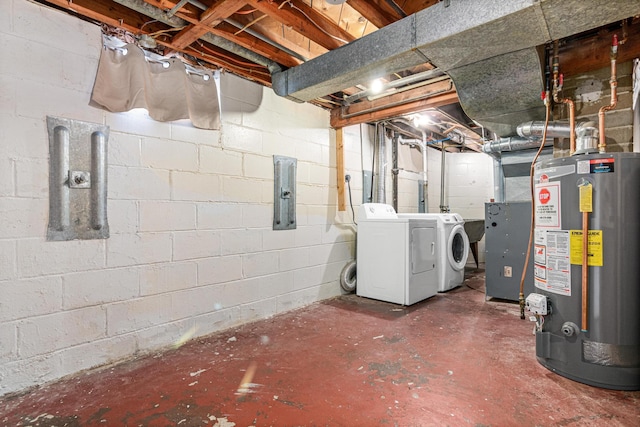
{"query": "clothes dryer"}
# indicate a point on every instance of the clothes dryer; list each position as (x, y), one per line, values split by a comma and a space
(396, 257)
(453, 250)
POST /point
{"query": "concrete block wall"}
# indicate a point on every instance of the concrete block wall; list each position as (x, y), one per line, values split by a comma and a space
(190, 213)
(590, 91)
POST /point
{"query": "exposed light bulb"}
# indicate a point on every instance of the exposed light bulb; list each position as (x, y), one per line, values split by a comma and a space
(376, 86)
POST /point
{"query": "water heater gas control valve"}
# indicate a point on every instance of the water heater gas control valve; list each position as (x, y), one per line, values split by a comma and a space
(537, 304)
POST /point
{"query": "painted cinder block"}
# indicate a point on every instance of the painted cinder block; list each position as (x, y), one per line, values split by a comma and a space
(277, 239)
(168, 154)
(292, 259)
(7, 185)
(97, 353)
(167, 216)
(99, 287)
(242, 190)
(21, 299)
(8, 342)
(138, 314)
(183, 130)
(329, 253)
(219, 270)
(219, 215)
(137, 122)
(123, 216)
(257, 216)
(22, 50)
(37, 100)
(138, 249)
(195, 244)
(256, 166)
(308, 296)
(195, 187)
(56, 29)
(45, 334)
(124, 149)
(22, 137)
(218, 161)
(240, 241)
(260, 264)
(138, 183)
(37, 257)
(25, 373)
(32, 178)
(161, 278)
(8, 259)
(242, 138)
(23, 217)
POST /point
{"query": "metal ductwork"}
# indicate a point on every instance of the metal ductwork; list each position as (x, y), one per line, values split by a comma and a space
(513, 144)
(586, 133)
(483, 44)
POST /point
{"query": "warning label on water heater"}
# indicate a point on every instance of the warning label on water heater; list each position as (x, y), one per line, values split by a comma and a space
(547, 204)
(552, 269)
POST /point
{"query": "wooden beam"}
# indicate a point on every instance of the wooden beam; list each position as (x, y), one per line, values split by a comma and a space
(227, 61)
(374, 13)
(388, 106)
(342, 206)
(292, 14)
(592, 53)
(213, 16)
(112, 14)
(412, 6)
(250, 42)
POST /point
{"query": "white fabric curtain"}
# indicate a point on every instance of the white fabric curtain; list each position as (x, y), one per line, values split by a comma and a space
(129, 78)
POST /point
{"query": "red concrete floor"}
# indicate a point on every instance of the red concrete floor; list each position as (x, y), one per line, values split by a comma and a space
(453, 360)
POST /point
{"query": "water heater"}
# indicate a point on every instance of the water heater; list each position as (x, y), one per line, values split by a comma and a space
(587, 293)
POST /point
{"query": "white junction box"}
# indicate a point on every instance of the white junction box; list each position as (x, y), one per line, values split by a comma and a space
(537, 304)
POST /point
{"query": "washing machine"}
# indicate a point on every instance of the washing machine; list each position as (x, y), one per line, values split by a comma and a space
(396, 257)
(454, 248)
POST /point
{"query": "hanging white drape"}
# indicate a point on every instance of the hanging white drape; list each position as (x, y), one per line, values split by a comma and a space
(128, 78)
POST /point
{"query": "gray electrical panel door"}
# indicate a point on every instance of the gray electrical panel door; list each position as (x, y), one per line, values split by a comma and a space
(507, 228)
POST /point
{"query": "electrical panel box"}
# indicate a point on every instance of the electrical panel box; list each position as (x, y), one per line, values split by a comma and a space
(506, 238)
(537, 304)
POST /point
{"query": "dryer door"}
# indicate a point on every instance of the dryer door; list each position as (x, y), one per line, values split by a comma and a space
(458, 247)
(423, 249)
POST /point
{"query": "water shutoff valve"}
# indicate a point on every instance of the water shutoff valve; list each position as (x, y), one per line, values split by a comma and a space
(537, 304)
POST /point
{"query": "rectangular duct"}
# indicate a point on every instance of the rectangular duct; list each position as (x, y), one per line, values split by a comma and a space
(77, 180)
(284, 193)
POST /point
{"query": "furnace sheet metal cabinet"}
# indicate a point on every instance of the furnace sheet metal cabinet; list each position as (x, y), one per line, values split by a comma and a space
(396, 258)
(506, 239)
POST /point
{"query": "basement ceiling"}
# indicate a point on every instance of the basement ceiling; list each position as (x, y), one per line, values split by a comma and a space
(328, 52)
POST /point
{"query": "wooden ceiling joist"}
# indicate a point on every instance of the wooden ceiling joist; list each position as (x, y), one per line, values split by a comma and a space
(297, 15)
(375, 12)
(213, 16)
(411, 101)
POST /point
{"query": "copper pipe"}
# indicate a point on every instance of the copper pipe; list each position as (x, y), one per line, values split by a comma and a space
(614, 95)
(547, 104)
(585, 270)
(572, 124)
(558, 82)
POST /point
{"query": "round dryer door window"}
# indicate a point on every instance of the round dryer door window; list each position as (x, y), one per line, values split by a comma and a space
(458, 247)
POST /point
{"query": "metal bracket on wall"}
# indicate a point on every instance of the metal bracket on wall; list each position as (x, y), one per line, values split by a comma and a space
(366, 186)
(422, 206)
(77, 180)
(284, 193)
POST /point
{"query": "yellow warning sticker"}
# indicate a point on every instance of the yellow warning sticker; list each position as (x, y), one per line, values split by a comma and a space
(594, 249)
(586, 198)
